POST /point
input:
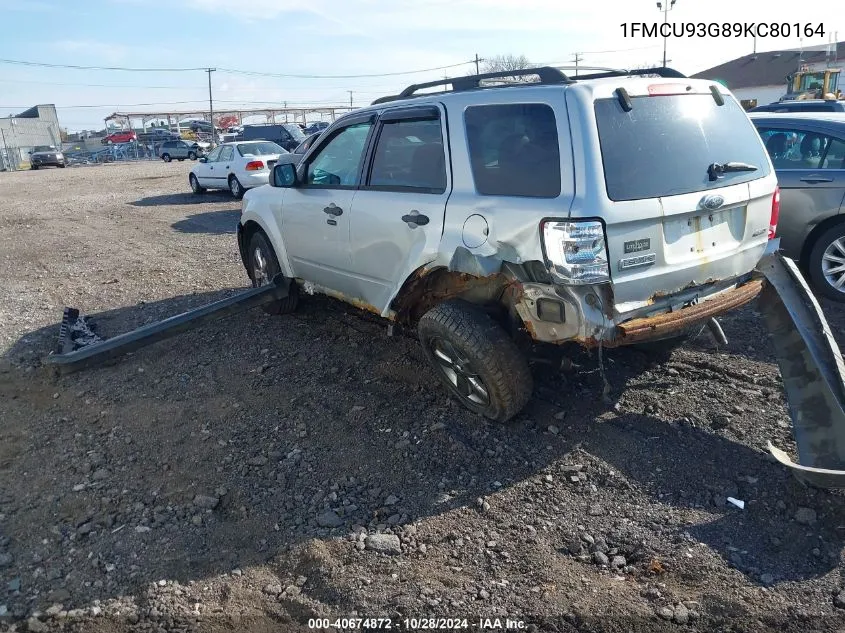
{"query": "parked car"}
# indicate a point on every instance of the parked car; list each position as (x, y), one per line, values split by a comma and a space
(317, 126)
(201, 126)
(287, 135)
(235, 166)
(180, 150)
(610, 211)
(808, 154)
(805, 105)
(296, 155)
(44, 155)
(124, 136)
(157, 134)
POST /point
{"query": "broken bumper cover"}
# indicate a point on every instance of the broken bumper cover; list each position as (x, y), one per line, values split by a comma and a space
(813, 374)
(678, 321)
(584, 320)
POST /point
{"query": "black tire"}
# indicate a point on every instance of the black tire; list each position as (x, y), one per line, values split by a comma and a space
(166, 158)
(195, 185)
(262, 271)
(192, 155)
(33, 167)
(180, 159)
(819, 268)
(486, 360)
(236, 188)
(62, 166)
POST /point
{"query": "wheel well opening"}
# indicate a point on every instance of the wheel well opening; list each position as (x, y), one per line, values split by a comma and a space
(496, 294)
(245, 233)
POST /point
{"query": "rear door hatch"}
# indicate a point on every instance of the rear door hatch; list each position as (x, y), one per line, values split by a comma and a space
(688, 190)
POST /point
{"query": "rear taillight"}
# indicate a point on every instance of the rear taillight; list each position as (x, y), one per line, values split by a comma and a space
(773, 220)
(254, 165)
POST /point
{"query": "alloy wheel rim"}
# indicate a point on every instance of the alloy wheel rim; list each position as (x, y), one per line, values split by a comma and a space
(459, 372)
(259, 267)
(234, 186)
(833, 264)
(194, 183)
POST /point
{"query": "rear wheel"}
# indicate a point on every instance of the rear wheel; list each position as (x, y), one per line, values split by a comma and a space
(195, 184)
(166, 158)
(263, 266)
(476, 360)
(827, 263)
(236, 187)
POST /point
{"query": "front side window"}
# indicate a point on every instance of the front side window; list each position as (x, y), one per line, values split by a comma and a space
(214, 155)
(409, 155)
(791, 148)
(514, 150)
(338, 163)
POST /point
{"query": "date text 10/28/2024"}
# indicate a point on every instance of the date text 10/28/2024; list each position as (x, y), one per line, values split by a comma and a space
(418, 624)
(722, 29)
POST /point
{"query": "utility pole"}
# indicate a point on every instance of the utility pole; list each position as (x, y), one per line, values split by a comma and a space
(578, 58)
(665, 6)
(211, 106)
(350, 98)
(476, 64)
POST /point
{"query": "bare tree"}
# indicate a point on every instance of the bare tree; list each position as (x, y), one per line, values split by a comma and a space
(501, 63)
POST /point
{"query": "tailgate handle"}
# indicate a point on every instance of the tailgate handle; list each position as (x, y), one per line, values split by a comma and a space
(815, 179)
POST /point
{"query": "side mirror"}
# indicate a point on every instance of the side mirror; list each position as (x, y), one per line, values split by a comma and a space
(203, 159)
(284, 175)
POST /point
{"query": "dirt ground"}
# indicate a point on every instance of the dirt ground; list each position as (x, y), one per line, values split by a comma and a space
(261, 472)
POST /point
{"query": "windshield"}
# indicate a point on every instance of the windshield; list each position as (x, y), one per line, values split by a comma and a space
(664, 145)
(44, 148)
(264, 148)
(295, 131)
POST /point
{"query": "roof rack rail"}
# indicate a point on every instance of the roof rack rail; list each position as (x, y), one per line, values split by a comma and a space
(547, 74)
(668, 73)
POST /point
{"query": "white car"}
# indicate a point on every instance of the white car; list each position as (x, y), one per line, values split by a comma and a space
(236, 166)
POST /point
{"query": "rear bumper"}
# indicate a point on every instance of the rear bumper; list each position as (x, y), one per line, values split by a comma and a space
(586, 314)
(255, 179)
(677, 321)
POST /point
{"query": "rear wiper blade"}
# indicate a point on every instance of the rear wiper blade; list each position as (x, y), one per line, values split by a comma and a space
(714, 169)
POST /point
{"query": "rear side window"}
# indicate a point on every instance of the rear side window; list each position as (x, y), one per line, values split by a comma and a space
(409, 156)
(664, 145)
(514, 150)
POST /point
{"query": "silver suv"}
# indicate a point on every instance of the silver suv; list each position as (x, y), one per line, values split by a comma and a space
(608, 209)
(180, 150)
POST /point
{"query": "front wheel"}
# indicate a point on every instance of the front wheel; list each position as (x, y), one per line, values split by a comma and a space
(192, 155)
(263, 266)
(827, 263)
(476, 360)
(166, 158)
(195, 184)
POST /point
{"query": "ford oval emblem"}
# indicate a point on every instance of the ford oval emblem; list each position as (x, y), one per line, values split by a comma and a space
(712, 202)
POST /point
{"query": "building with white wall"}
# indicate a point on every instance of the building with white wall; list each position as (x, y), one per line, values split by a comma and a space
(764, 76)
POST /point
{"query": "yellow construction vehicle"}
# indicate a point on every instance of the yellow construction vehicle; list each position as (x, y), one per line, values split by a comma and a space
(813, 84)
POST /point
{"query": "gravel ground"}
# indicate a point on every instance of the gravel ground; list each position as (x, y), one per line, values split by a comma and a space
(261, 471)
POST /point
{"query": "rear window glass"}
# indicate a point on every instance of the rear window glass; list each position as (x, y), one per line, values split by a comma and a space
(514, 150)
(260, 149)
(664, 145)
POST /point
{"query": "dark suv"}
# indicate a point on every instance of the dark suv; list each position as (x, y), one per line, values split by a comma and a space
(44, 155)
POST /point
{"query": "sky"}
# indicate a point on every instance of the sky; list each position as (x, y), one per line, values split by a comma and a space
(320, 38)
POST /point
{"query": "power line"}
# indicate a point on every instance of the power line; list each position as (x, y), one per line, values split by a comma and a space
(134, 86)
(19, 62)
(336, 103)
(234, 71)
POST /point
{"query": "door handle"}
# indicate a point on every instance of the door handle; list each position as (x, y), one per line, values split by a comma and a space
(415, 219)
(333, 209)
(815, 179)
